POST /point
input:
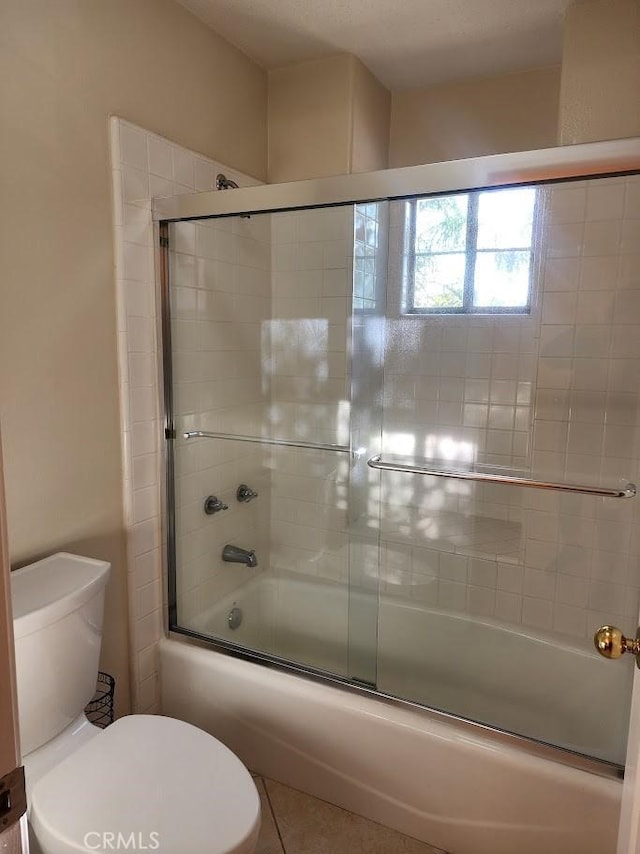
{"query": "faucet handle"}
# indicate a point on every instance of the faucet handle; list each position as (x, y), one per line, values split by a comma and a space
(212, 504)
(245, 493)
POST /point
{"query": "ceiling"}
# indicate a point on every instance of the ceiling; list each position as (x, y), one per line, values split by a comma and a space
(406, 43)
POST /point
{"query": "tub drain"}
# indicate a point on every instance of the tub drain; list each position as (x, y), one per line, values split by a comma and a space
(235, 617)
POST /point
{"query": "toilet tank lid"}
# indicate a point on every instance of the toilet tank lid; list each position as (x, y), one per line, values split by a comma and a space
(46, 591)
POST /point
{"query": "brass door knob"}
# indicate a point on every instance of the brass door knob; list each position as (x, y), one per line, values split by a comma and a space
(611, 643)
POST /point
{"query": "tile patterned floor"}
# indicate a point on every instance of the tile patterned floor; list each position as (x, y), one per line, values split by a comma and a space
(296, 823)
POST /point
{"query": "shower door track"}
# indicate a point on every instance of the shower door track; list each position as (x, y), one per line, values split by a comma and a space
(532, 746)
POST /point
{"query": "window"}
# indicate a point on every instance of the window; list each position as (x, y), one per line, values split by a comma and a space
(470, 252)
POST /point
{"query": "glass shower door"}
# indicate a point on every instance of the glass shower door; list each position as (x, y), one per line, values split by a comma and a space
(266, 442)
(511, 356)
(369, 300)
(435, 399)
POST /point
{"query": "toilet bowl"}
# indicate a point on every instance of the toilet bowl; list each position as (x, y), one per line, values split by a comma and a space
(147, 782)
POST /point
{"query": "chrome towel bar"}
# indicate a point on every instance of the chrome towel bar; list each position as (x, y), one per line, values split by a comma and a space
(260, 440)
(627, 491)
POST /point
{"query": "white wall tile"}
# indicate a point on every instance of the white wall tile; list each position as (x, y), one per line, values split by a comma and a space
(557, 340)
(566, 241)
(145, 164)
(595, 307)
(627, 307)
(133, 147)
(599, 273)
(184, 167)
(561, 274)
(567, 204)
(570, 621)
(137, 299)
(452, 596)
(593, 341)
(160, 157)
(559, 308)
(587, 378)
(508, 607)
(604, 202)
(159, 186)
(135, 184)
(630, 237)
(537, 613)
(481, 601)
(601, 238)
(136, 225)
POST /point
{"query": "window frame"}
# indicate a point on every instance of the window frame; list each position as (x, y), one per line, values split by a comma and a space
(467, 307)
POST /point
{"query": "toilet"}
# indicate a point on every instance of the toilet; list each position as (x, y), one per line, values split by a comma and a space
(147, 782)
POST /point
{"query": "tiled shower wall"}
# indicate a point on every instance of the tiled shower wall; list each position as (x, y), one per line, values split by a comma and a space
(555, 393)
(144, 165)
(262, 340)
(221, 304)
(309, 379)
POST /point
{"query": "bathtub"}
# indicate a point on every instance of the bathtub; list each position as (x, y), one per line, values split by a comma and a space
(461, 788)
(517, 680)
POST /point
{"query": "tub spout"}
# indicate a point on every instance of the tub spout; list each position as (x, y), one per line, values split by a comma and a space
(234, 554)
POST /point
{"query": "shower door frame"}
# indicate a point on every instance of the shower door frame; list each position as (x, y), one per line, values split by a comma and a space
(548, 165)
(544, 166)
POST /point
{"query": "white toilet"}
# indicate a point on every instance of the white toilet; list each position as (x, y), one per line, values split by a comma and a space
(146, 783)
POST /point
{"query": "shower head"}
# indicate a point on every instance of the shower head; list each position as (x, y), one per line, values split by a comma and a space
(224, 183)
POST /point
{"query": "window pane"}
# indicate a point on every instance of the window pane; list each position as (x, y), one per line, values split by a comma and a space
(505, 218)
(502, 279)
(441, 224)
(439, 281)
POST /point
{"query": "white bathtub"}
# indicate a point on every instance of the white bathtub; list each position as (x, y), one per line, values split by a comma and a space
(287, 616)
(483, 670)
(462, 789)
(512, 679)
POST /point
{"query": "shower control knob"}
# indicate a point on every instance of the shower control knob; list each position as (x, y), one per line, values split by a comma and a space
(611, 643)
(212, 504)
(245, 493)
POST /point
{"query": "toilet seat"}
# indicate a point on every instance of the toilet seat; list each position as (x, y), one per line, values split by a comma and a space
(160, 783)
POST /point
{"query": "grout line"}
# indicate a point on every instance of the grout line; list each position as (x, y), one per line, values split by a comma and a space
(273, 813)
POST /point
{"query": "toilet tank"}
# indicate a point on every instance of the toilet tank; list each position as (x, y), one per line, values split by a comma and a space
(58, 606)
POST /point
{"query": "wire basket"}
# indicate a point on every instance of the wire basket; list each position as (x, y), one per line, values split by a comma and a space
(100, 710)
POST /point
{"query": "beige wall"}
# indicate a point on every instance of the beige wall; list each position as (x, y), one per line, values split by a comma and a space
(64, 67)
(309, 119)
(600, 89)
(371, 112)
(326, 117)
(508, 112)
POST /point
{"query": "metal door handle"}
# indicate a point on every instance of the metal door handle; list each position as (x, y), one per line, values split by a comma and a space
(611, 643)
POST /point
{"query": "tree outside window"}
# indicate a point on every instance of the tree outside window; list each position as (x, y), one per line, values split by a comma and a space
(470, 252)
